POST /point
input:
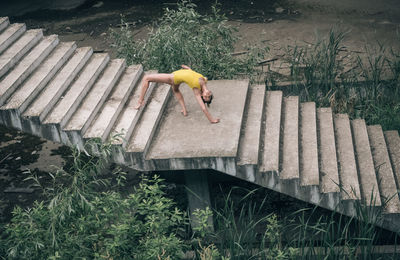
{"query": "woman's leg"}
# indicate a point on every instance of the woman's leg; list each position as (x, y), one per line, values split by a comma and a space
(179, 97)
(159, 78)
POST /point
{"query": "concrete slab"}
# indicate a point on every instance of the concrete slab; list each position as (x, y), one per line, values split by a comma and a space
(14, 53)
(29, 89)
(290, 139)
(4, 22)
(329, 177)
(393, 142)
(148, 122)
(383, 167)
(270, 154)
(350, 188)
(91, 104)
(309, 172)
(64, 109)
(11, 34)
(366, 171)
(193, 136)
(129, 117)
(108, 115)
(249, 145)
(26, 66)
(41, 106)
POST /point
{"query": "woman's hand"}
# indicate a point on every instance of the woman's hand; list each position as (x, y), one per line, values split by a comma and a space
(214, 121)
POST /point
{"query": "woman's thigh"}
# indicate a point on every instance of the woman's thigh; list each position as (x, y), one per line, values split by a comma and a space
(161, 78)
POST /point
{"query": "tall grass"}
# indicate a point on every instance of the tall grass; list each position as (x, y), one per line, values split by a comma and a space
(245, 230)
(366, 86)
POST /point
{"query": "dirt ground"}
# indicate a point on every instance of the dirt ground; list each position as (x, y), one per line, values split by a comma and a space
(276, 24)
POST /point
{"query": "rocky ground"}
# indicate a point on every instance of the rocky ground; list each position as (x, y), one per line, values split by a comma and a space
(276, 24)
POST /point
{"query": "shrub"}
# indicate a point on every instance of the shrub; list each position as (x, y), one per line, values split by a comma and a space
(82, 217)
(183, 36)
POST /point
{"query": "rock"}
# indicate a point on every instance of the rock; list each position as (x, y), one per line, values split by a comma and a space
(279, 10)
(18, 158)
(98, 4)
(103, 34)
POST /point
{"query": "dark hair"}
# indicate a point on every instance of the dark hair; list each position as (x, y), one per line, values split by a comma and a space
(209, 101)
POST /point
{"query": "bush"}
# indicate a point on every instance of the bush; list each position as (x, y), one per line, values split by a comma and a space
(183, 36)
(83, 218)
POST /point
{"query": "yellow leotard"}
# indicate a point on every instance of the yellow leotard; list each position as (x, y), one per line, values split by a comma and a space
(188, 76)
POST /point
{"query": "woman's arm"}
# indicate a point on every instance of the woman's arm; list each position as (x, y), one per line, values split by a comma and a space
(203, 107)
(185, 67)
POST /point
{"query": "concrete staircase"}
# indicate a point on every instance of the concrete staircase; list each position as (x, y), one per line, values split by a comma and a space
(67, 94)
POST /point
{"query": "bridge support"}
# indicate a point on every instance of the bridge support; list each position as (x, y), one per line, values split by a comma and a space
(198, 195)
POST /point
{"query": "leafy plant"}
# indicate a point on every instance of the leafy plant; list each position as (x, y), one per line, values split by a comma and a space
(82, 217)
(183, 36)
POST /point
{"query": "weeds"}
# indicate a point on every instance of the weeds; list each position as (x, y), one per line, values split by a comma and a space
(365, 86)
(82, 217)
(183, 36)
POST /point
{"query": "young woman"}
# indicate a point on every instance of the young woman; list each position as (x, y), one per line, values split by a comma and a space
(196, 81)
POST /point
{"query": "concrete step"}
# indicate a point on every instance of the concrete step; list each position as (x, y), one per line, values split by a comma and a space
(108, 115)
(329, 177)
(26, 66)
(383, 168)
(93, 101)
(393, 144)
(17, 50)
(64, 109)
(129, 116)
(146, 126)
(270, 154)
(366, 171)
(350, 188)
(42, 105)
(10, 35)
(249, 143)
(309, 172)
(4, 22)
(290, 139)
(38, 80)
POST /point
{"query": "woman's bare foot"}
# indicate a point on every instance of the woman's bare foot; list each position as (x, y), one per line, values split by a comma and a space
(139, 104)
(184, 112)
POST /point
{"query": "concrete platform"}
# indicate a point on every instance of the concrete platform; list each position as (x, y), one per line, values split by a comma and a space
(193, 136)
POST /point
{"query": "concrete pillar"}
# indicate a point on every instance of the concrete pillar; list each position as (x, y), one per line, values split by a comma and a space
(198, 194)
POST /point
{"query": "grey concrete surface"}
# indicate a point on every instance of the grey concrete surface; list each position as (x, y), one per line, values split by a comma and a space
(193, 135)
(71, 99)
(290, 139)
(95, 98)
(12, 33)
(26, 66)
(350, 188)
(198, 194)
(105, 120)
(18, 49)
(4, 22)
(39, 78)
(393, 143)
(271, 135)
(129, 117)
(329, 176)
(145, 128)
(41, 106)
(366, 171)
(309, 171)
(383, 168)
(249, 144)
